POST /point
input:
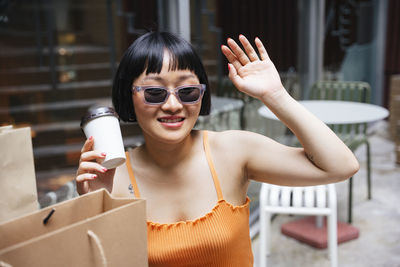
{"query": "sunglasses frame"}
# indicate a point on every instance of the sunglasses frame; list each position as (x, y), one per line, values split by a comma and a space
(202, 88)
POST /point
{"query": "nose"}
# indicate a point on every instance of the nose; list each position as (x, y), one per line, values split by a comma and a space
(172, 104)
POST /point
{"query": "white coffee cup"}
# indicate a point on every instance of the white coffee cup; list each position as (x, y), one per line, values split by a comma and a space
(103, 124)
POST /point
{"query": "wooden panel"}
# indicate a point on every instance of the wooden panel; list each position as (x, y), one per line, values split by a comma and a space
(274, 22)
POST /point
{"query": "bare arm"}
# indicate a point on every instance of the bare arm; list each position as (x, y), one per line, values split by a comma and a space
(324, 158)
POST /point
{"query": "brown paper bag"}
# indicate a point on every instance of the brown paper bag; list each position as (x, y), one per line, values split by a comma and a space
(91, 230)
(18, 193)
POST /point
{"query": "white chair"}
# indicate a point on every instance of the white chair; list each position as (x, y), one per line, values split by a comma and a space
(311, 200)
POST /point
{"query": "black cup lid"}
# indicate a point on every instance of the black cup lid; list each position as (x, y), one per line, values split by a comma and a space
(94, 113)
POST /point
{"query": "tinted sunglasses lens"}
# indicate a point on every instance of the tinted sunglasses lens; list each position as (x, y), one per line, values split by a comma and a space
(189, 94)
(155, 95)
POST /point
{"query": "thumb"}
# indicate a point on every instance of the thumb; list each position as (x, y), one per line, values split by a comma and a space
(82, 187)
(234, 77)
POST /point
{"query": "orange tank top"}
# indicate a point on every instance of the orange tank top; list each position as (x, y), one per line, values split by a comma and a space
(219, 238)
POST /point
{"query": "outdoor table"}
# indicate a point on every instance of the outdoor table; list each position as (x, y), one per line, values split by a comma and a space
(334, 112)
(338, 112)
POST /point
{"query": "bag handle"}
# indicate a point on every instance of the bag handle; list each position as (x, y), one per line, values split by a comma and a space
(97, 241)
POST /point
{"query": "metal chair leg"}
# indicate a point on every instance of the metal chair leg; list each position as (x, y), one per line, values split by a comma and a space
(332, 239)
(349, 218)
(369, 171)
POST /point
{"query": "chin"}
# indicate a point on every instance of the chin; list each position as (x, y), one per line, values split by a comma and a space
(168, 136)
(176, 136)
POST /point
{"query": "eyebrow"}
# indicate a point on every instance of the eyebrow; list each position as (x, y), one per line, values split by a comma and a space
(152, 77)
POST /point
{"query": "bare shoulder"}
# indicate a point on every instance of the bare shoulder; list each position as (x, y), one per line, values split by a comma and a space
(238, 147)
(232, 140)
(243, 147)
(232, 152)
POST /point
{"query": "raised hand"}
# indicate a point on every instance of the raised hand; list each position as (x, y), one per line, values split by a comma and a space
(90, 174)
(251, 73)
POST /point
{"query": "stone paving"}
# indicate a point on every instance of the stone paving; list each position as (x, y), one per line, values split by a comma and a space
(377, 219)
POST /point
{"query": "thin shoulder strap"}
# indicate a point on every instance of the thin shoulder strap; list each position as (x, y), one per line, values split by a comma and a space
(211, 165)
(132, 176)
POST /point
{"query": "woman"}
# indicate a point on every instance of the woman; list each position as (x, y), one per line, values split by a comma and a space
(195, 182)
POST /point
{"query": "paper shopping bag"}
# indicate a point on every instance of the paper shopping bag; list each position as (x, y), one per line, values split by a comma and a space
(91, 230)
(18, 193)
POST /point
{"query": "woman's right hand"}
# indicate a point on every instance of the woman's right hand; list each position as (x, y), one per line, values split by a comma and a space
(91, 175)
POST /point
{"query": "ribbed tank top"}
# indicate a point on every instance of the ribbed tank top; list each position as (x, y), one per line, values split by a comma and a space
(219, 238)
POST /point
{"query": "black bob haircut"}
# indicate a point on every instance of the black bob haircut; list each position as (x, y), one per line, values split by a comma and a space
(146, 54)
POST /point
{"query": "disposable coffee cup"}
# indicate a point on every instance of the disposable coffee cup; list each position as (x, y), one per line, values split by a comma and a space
(103, 124)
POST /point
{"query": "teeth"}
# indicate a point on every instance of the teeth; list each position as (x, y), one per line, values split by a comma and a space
(171, 120)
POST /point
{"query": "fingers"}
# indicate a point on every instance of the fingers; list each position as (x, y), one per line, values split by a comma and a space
(90, 167)
(231, 57)
(87, 154)
(86, 173)
(238, 52)
(82, 188)
(234, 77)
(88, 145)
(85, 177)
(238, 57)
(92, 156)
(261, 49)
(251, 53)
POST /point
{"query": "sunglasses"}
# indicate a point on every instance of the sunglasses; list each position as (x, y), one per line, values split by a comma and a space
(157, 95)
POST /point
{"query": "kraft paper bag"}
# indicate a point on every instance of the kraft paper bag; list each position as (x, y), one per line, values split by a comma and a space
(18, 192)
(95, 229)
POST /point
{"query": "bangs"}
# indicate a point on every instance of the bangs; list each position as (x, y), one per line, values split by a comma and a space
(180, 58)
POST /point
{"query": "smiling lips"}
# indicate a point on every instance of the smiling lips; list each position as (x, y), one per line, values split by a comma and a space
(171, 121)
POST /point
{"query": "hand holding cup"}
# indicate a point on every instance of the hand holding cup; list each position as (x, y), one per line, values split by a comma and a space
(91, 175)
(102, 152)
